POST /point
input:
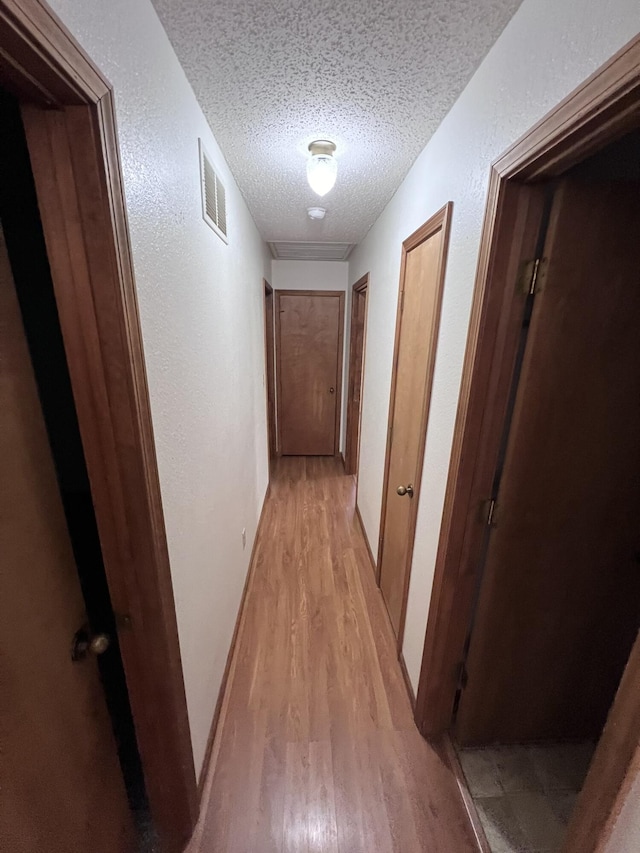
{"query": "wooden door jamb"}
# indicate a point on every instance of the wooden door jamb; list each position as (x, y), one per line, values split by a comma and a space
(361, 286)
(69, 116)
(602, 109)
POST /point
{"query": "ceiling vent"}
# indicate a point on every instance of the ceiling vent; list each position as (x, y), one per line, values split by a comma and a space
(310, 251)
(214, 197)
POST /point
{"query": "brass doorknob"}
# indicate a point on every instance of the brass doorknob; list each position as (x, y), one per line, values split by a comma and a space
(99, 644)
(405, 490)
(85, 643)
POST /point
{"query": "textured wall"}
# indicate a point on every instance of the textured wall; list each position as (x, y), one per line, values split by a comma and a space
(201, 312)
(319, 275)
(309, 275)
(547, 49)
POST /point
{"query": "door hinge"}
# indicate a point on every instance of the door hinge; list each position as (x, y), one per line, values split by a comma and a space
(463, 675)
(531, 276)
(489, 512)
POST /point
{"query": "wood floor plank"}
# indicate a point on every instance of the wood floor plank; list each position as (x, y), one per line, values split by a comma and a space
(316, 748)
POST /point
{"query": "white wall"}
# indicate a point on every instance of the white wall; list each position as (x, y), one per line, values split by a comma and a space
(319, 275)
(548, 48)
(202, 325)
(309, 275)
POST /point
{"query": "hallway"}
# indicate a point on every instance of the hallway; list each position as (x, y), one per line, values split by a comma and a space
(317, 749)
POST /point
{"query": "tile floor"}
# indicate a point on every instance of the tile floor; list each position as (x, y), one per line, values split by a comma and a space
(525, 794)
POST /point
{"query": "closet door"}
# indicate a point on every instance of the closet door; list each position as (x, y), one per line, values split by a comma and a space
(309, 328)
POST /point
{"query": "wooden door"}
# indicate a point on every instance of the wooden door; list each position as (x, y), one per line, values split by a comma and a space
(269, 333)
(356, 364)
(62, 788)
(309, 328)
(421, 280)
(559, 605)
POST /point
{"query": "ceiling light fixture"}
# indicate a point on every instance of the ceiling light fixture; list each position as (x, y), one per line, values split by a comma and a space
(316, 212)
(322, 168)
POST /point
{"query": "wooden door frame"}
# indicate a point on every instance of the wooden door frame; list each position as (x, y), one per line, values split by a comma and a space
(340, 294)
(272, 434)
(354, 419)
(602, 109)
(440, 221)
(69, 117)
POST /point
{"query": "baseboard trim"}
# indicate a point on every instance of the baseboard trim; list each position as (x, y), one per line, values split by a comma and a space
(450, 756)
(401, 660)
(207, 763)
(407, 681)
(403, 666)
(366, 542)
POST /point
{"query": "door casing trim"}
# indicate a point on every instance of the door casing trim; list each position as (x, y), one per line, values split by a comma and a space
(69, 117)
(361, 286)
(440, 221)
(602, 109)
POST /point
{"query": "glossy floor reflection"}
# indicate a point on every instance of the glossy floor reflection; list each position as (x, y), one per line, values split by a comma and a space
(317, 748)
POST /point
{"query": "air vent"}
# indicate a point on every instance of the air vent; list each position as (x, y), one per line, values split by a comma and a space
(214, 197)
(310, 251)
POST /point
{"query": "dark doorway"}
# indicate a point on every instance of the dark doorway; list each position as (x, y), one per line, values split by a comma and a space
(29, 264)
(558, 606)
(357, 341)
(68, 113)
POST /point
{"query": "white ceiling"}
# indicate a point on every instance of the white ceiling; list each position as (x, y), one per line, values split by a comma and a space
(374, 76)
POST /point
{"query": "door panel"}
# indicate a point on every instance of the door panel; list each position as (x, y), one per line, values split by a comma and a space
(559, 605)
(62, 788)
(419, 315)
(309, 341)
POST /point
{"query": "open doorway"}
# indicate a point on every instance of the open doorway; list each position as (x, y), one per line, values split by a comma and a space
(558, 605)
(56, 608)
(68, 116)
(357, 340)
(532, 637)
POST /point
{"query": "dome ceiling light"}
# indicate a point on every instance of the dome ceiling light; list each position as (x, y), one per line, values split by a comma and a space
(322, 168)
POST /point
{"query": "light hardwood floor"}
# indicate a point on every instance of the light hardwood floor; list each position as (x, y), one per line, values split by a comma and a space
(316, 747)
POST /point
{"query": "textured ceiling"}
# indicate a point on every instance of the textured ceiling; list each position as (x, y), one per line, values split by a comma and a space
(374, 76)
